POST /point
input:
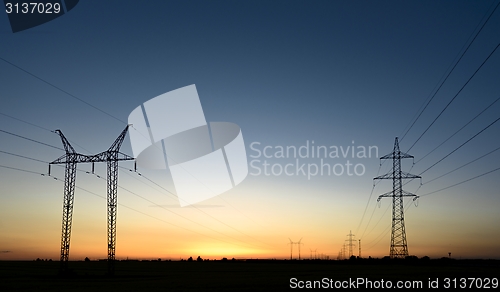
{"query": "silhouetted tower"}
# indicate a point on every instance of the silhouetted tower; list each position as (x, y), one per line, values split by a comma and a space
(399, 248)
(291, 246)
(71, 158)
(299, 243)
(350, 240)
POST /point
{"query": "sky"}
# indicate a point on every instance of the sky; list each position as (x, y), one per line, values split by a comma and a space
(290, 74)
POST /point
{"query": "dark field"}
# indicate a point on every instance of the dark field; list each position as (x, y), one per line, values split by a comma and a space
(249, 275)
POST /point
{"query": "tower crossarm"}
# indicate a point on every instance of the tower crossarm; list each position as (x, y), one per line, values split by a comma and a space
(391, 194)
(394, 155)
(404, 175)
(109, 156)
(112, 154)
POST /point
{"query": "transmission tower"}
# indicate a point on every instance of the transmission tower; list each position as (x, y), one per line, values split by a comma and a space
(350, 240)
(71, 158)
(291, 247)
(399, 248)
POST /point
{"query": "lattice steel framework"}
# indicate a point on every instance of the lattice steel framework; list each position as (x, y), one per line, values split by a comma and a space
(71, 159)
(291, 247)
(399, 247)
(351, 245)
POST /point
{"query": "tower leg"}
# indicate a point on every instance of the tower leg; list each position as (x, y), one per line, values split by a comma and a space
(67, 217)
(112, 203)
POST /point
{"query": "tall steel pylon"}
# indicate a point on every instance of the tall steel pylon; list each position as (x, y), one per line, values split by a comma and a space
(71, 159)
(399, 247)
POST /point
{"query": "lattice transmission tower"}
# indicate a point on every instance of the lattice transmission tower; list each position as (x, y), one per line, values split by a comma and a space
(351, 245)
(399, 247)
(71, 159)
(291, 247)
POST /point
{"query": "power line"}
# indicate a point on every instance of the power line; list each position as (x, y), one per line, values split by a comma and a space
(19, 169)
(62, 90)
(131, 170)
(366, 207)
(34, 125)
(102, 197)
(32, 140)
(449, 73)
(470, 139)
(38, 160)
(175, 196)
(491, 104)
(58, 88)
(382, 216)
(369, 198)
(385, 232)
(442, 111)
(40, 127)
(464, 181)
(25, 157)
(482, 156)
(446, 156)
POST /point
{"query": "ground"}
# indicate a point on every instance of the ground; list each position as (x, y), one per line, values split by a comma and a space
(250, 275)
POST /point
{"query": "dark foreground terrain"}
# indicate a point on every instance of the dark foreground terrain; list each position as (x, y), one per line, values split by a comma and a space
(250, 275)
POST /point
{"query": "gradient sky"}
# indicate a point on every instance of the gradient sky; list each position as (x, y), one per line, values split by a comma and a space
(339, 73)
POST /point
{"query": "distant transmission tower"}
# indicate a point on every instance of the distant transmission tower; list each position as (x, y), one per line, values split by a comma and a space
(399, 248)
(71, 158)
(350, 240)
(291, 247)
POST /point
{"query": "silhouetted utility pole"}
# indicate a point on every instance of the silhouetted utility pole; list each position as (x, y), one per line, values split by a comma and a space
(359, 245)
(71, 159)
(399, 248)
